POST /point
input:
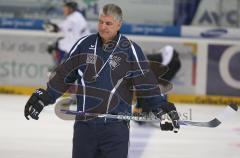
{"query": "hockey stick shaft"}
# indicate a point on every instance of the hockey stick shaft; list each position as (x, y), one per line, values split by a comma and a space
(212, 123)
(147, 118)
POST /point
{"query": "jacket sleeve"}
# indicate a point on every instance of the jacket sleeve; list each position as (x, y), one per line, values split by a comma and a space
(66, 74)
(144, 80)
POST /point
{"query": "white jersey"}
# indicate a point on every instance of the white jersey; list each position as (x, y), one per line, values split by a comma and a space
(167, 54)
(73, 27)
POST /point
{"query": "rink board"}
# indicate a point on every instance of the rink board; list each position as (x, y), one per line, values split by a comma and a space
(209, 67)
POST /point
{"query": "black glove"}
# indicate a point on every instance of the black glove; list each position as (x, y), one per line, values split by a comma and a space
(51, 48)
(50, 27)
(36, 103)
(164, 112)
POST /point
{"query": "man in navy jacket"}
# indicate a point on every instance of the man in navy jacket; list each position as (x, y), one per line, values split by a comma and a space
(108, 68)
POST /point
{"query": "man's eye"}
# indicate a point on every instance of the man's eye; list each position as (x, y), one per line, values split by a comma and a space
(108, 23)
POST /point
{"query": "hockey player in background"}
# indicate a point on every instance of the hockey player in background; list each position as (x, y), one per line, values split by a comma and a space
(73, 27)
(169, 57)
(108, 68)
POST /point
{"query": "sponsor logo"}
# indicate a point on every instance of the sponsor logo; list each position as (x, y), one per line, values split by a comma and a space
(223, 70)
(39, 92)
(224, 67)
(91, 47)
(216, 18)
(213, 33)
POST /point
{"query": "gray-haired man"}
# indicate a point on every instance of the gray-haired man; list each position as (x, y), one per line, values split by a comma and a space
(108, 68)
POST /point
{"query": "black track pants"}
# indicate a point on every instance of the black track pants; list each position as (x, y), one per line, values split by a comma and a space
(94, 140)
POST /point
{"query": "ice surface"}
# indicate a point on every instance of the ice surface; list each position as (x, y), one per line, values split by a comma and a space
(52, 137)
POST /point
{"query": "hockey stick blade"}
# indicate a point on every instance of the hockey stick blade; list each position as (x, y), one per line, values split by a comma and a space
(234, 107)
(216, 121)
(213, 123)
(227, 112)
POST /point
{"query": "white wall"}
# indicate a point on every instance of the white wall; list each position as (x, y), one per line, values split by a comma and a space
(24, 61)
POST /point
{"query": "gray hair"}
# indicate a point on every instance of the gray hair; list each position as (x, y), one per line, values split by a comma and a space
(112, 10)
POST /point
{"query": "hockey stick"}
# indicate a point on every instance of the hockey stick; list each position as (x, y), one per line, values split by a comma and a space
(228, 111)
(148, 118)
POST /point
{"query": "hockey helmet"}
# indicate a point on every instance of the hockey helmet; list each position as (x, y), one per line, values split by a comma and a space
(71, 4)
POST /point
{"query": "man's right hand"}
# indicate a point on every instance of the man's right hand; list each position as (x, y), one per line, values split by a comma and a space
(36, 103)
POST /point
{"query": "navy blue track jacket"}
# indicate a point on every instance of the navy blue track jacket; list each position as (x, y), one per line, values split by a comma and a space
(107, 75)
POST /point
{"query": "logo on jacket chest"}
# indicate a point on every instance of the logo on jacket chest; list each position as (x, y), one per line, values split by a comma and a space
(90, 59)
(114, 61)
(92, 47)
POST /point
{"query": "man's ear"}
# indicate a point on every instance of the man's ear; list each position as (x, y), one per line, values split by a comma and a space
(119, 25)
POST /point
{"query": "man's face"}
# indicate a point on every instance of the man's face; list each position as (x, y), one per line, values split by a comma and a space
(108, 27)
(67, 11)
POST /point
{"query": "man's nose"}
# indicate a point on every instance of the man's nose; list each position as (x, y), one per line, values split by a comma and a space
(103, 26)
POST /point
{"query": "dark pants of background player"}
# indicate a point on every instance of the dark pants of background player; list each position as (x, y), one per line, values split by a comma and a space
(60, 56)
(96, 139)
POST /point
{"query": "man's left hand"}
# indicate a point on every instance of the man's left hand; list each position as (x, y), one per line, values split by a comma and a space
(169, 117)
